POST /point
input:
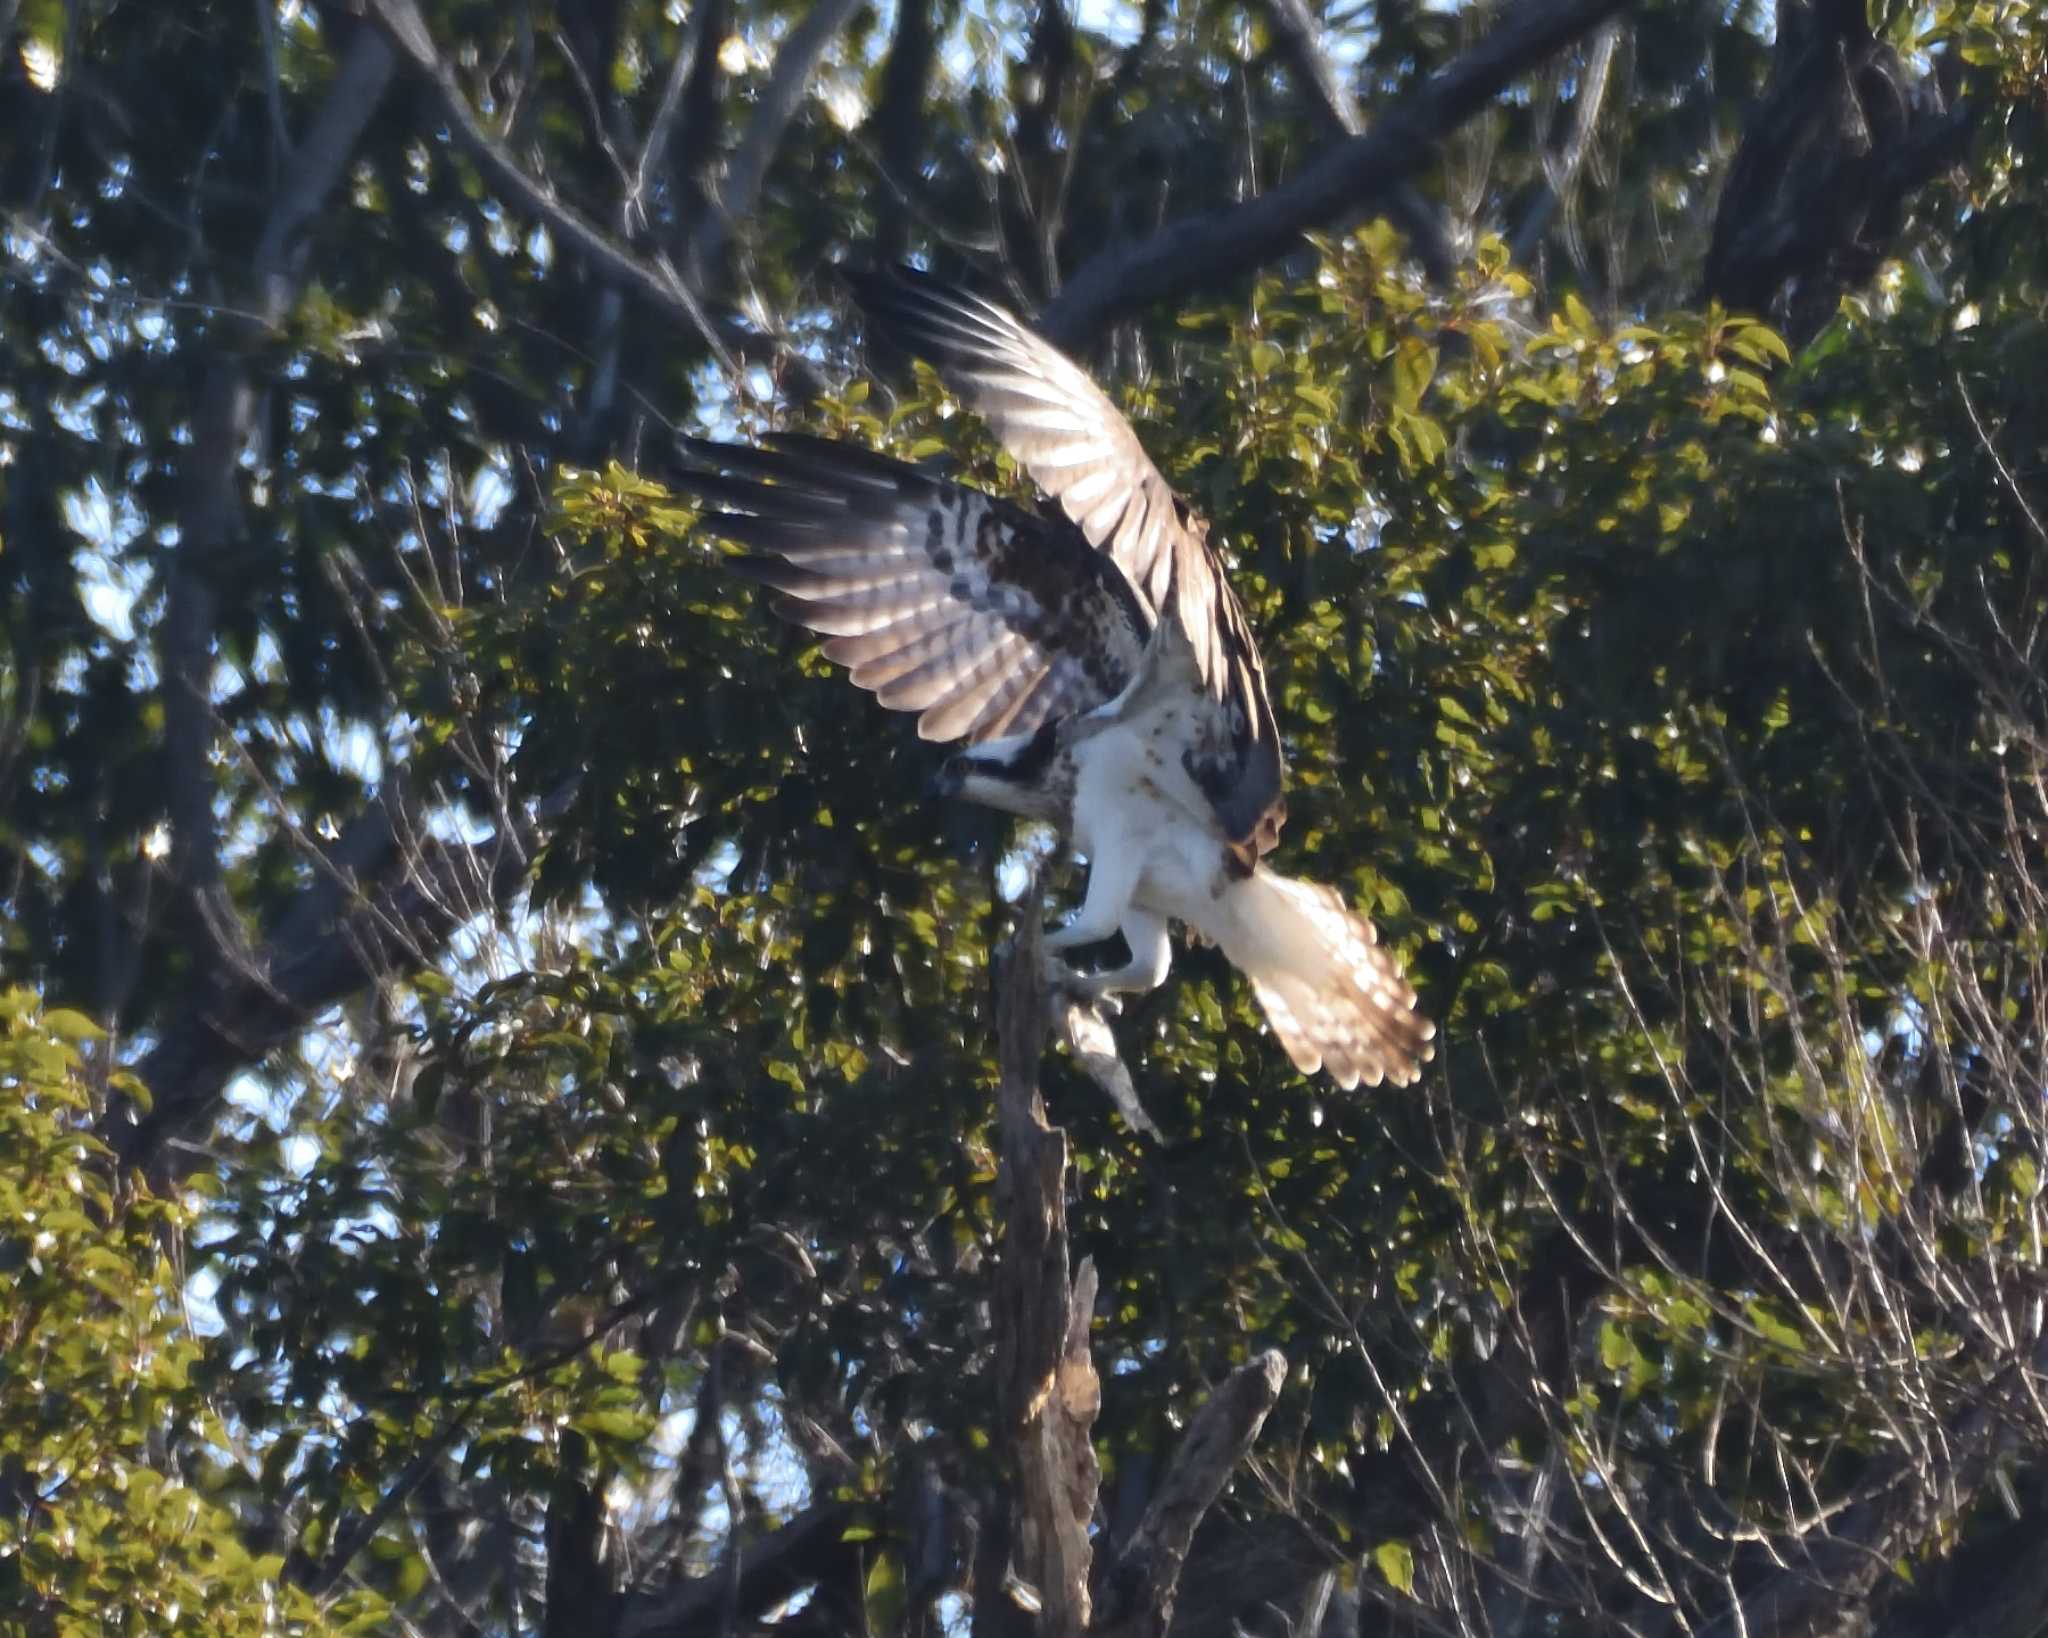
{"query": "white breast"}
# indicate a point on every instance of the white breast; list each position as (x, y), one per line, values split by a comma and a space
(1133, 798)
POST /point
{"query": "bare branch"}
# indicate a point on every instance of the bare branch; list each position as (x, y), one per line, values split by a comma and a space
(1998, 463)
(656, 282)
(344, 931)
(1198, 250)
(655, 150)
(1852, 1553)
(210, 518)
(1299, 37)
(777, 106)
(1561, 171)
(1138, 1593)
(1047, 1387)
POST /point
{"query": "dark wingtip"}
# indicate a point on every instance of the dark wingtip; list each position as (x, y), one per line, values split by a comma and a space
(918, 309)
(778, 574)
(865, 283)
(888, 279)
(890, 296)
(700, 458)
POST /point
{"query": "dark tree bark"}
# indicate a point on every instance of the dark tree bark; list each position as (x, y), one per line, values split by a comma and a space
(1817, 193)
(1032, 194)
(1047, 1389)
(900, 123)
(1201, 251)
(580, 1590)
(1299, 38)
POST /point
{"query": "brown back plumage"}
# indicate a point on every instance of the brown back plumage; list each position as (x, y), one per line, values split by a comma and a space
(982, 617)
(1079, 449)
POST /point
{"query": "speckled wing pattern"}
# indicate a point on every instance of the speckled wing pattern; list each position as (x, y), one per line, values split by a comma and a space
(1067, 434)
(1340, 1003)
(980, 616)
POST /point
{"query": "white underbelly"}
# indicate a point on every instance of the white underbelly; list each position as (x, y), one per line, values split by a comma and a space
(1182, 877)
(1132, 797)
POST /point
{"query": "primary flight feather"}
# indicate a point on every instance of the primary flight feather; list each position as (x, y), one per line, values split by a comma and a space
(1097, 664)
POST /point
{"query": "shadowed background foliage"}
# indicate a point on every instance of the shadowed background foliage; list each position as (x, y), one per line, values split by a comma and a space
(496, 1110)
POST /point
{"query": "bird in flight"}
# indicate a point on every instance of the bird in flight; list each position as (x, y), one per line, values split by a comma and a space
(1094, 660)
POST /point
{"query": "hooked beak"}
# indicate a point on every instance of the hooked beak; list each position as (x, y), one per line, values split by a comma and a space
(948, 780)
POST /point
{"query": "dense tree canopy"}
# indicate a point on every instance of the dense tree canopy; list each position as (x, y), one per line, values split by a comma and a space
(499, 1056)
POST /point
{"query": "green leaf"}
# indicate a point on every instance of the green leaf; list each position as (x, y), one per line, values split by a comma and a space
(69, 1025)
(1396, 1564)
(1414, 369)
(1765, 340)
(628, 1427)
(885, 1593)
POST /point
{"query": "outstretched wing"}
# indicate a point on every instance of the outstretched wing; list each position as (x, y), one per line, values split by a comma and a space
(1063, 430)
(977, 614)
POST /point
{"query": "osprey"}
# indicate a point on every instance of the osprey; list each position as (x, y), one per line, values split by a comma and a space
(1094, 660)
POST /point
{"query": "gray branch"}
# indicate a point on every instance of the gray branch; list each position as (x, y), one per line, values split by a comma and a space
(658, 283)
(210, 520)
(1139, 1591)
(1561, 172)
(385, 900)
(744, 176)
(1198, 250)
(655, 151)
(1048, 1392)
(1299, 37)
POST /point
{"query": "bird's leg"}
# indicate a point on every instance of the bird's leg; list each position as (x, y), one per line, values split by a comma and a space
(1151, 956)
(1112, 878)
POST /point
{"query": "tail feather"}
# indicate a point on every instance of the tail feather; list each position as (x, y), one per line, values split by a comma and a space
(1334, 998)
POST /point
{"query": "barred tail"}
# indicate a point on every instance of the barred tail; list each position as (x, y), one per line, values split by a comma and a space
(1335, 999)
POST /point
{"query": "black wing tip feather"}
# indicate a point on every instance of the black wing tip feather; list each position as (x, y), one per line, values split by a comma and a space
(799, 476)
(931, 316)
(896, 281)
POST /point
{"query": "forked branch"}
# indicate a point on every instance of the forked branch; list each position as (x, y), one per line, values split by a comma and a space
(1049, 1392)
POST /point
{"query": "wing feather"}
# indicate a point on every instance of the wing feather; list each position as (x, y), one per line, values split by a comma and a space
(883, 656)
(977, 614)
(953, 716)
(1076, 445)
(958, 673)
(1005, 706)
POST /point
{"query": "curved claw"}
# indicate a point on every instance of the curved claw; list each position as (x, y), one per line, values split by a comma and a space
(1059, 977)
(1083, 989)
